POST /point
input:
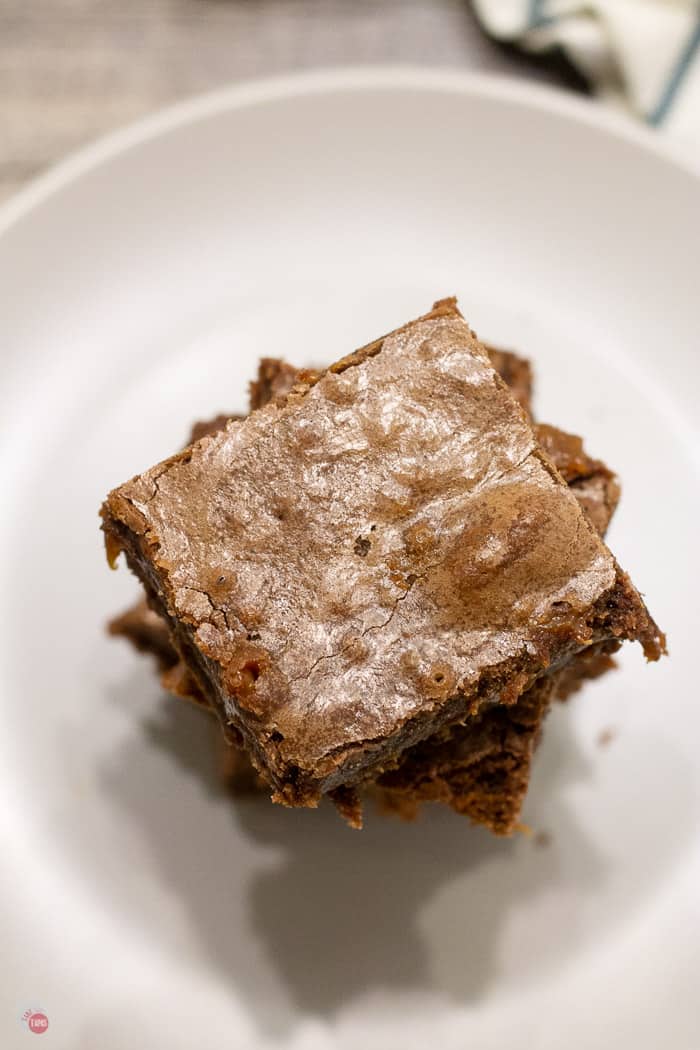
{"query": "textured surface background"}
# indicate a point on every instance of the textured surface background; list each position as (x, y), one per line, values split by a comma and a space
(73, 69)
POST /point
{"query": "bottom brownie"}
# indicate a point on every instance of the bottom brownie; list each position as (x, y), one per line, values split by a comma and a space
(480, 770)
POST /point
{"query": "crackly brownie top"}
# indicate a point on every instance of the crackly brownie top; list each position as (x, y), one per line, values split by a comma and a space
(359, 554)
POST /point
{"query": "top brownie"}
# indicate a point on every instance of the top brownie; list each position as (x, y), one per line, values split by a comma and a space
(380, 554)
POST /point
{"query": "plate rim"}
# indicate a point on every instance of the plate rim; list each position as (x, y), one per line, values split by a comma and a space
(41, 192)
(586, 111)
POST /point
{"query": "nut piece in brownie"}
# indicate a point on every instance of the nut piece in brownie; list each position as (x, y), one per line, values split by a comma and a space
(329, 656)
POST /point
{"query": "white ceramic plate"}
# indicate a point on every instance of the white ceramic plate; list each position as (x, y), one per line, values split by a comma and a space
(140, 282)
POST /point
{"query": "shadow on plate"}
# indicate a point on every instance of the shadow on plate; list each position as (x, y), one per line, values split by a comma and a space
(300, 913)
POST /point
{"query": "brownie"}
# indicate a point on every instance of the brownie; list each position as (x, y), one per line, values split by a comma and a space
(516, 372)
(481, 772)
(485, 783)
(593, 483)
(387, 552)
(209, 426)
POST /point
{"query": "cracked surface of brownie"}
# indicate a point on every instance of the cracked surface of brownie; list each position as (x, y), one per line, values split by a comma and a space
(412, 577)
(485, 784)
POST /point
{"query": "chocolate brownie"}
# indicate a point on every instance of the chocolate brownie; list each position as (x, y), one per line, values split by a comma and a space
(486, 785)
(515, 371)
(274, 380)
(472, 569)
(593, 483)
(147, 632)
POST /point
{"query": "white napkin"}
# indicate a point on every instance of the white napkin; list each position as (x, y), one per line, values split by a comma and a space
(641, 54)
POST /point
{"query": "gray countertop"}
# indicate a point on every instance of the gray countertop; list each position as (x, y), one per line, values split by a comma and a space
(71, 70)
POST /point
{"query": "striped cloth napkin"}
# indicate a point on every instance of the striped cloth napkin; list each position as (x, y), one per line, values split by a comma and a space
(641, 54)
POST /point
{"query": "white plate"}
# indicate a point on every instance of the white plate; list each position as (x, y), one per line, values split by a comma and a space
(140, 282)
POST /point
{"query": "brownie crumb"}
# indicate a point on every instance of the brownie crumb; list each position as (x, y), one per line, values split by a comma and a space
(362, 546)
(349, 805)
(606, 737)
(542, 840)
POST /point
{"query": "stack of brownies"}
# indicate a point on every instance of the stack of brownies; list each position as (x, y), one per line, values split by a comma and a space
(381, 578)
